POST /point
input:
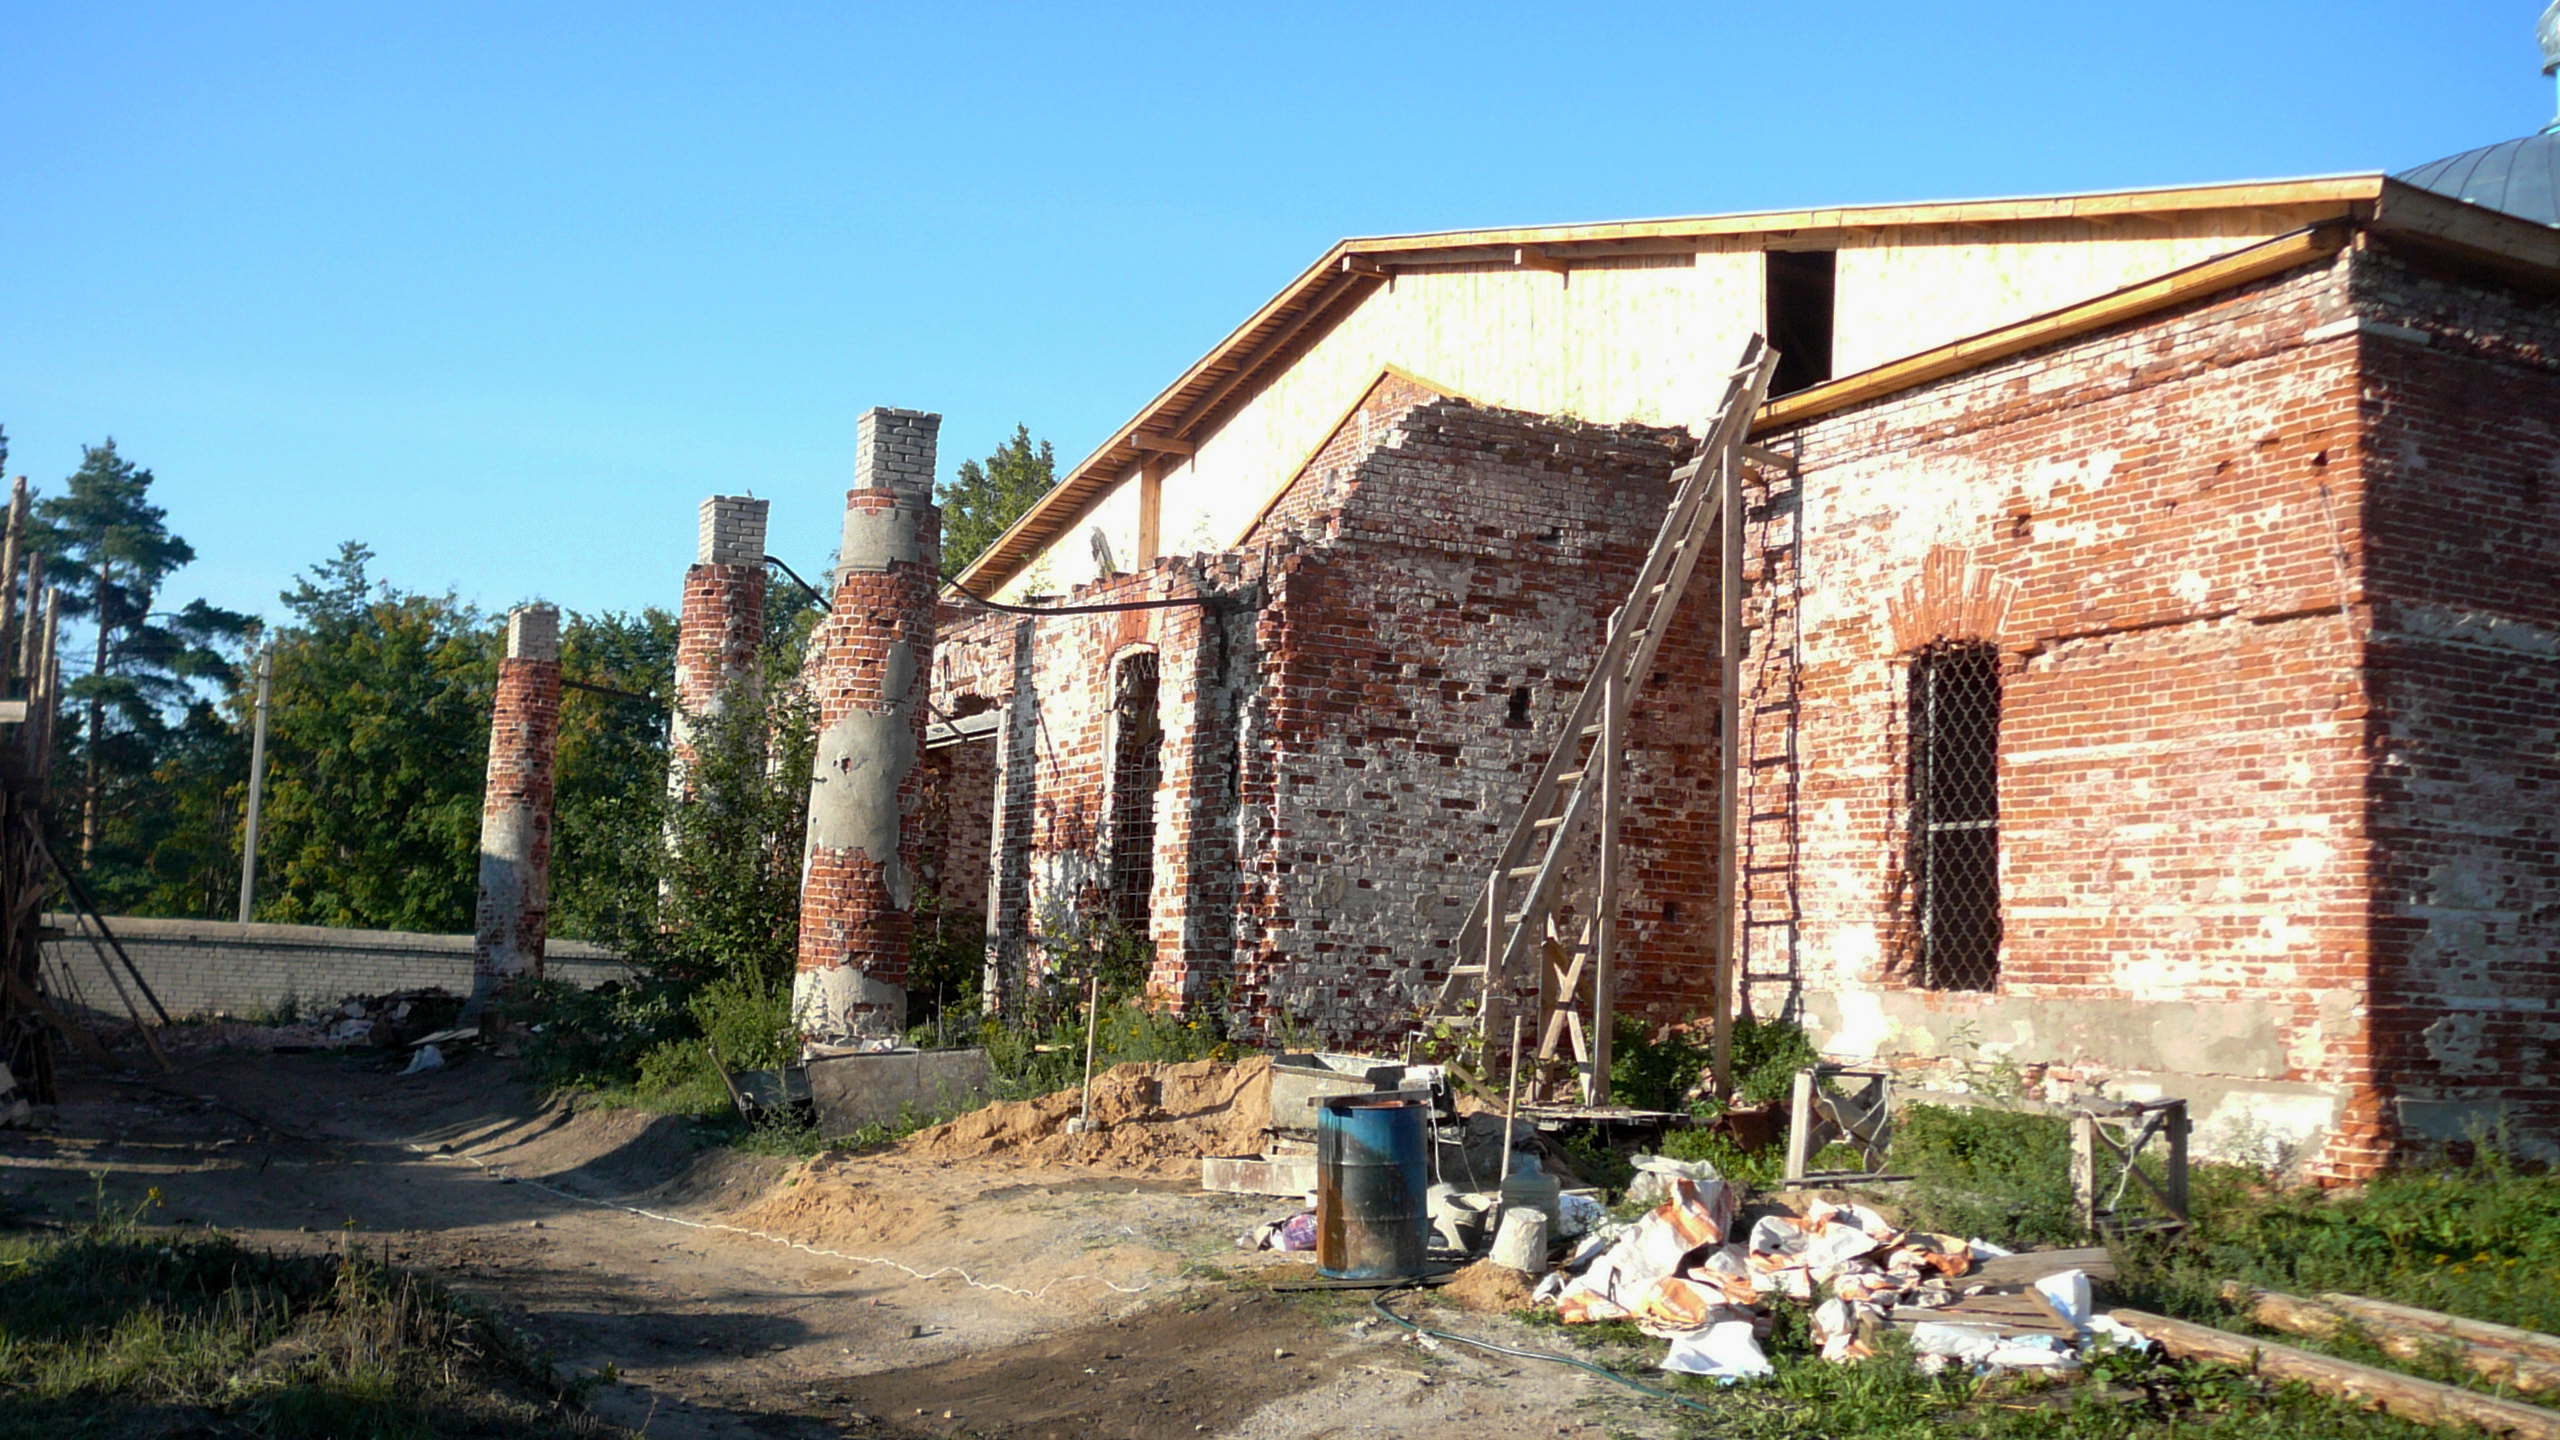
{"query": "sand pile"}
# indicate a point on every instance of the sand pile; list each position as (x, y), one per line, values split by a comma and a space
(1149, 1119)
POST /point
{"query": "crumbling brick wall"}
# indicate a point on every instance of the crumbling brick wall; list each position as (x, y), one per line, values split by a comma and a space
(2462, 585)
(1049, 679)
(1422, 645)
(2155, 525)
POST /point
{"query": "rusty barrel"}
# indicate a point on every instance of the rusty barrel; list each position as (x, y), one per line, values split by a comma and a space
(1373, 1181)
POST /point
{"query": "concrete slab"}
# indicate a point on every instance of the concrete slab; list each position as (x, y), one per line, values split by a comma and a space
(852, 1091)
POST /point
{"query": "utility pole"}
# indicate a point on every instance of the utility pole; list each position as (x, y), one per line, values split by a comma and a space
(257, 788)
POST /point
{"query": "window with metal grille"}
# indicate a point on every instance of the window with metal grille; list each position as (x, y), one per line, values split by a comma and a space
(1137, 765)
(1955, 814)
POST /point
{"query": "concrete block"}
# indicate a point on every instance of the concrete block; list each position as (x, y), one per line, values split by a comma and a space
(852, 1091)
(1258, 1175)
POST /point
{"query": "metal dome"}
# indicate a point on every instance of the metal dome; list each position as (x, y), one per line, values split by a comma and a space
(2521, 177)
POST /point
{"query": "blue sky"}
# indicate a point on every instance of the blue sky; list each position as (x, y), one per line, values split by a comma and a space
(503, 291)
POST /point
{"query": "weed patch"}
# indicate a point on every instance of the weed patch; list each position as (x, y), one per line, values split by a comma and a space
(123, 1332)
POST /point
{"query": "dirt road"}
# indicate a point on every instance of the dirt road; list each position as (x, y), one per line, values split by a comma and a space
(725, 1295)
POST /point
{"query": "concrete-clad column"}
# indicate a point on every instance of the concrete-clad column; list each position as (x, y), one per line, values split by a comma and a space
(873, 672)
(722, 622)
(515, 811)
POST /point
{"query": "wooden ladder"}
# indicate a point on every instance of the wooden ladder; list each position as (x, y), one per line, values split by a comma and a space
(1515, 920)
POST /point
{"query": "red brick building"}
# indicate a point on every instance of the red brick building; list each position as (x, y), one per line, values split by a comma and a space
(2153, 679)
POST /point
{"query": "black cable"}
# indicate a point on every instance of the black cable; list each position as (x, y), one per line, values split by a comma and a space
(806, 588)
(1379, 1304)
(1205, 602)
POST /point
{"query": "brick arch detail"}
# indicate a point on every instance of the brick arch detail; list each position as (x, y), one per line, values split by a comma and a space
(1954, 597)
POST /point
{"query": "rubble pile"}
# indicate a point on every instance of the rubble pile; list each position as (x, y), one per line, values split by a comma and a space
(1681, 1273)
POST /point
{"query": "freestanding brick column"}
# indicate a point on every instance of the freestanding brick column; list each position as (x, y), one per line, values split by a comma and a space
(722, 622)
(515, 811)
(875, 663)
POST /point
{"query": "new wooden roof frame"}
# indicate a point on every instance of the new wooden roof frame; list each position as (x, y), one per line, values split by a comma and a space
(1188, 410)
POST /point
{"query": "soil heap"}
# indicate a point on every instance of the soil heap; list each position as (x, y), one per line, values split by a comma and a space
(1148, 1119)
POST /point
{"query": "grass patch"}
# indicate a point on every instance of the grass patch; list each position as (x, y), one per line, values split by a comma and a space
(118, 1331)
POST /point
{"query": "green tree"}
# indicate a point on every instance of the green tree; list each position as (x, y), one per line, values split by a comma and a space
(377, 749)
(110, 550)
(985, 500)
(612, 774)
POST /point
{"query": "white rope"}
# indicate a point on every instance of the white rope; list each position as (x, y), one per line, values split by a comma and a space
(962, 1275)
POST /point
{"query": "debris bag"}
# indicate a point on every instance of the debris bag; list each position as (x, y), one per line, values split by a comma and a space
(1615, 1287)
(2117, 1333)
(428, 1058)
(1971, 1344)
(2068, 1294)
(1726, 1350)
(1578, 1215)
(1293, 1232)
(1655, 1173)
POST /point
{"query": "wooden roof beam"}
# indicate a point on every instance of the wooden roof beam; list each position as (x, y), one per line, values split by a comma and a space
(1531, 257)
(1325, 299)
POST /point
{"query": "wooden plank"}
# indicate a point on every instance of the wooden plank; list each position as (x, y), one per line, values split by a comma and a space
(2403, 1338)
(2272, 257)
(1161, 444)
(2031, 1266)
(1613, 800)
(1530, 257)
(1150, 512)
(2474, 1332)
(2410, 1398)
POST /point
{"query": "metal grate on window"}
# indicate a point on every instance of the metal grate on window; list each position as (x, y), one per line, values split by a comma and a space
(1955, 814)
(1137, 765)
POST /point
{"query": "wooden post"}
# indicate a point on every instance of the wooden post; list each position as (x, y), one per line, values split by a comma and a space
(1604, 938)
(2177, 1128)
(1800, 1127)
(1728, 797)
(10, 546)
(2084, 1168)
(1510, 1104)
(1492, 956)
(30, 636)
(1150, 510)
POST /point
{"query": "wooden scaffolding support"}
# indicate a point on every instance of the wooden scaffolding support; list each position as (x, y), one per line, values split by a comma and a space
(1524, 923)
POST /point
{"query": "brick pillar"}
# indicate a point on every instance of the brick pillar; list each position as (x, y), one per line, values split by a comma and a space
(722, 622)
(870, 680)
(515, 811)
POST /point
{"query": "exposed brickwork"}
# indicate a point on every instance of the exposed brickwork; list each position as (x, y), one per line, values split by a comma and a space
(870, 670)
(514, 912)
(2462, 581)
(959, 810)
(722, 620)
(2270, 576)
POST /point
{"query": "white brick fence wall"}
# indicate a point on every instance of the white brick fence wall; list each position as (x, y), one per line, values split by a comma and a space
(205, 967)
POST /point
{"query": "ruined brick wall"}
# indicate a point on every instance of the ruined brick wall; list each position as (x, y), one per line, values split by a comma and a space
(2142, 521)
(1449, 589)
(958, 811)
(2462, 524)
(1049, 679)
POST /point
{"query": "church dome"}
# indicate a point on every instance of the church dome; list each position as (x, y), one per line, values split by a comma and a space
(2520, 177)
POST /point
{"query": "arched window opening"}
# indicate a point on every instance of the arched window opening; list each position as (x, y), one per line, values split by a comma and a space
(1137, 766)
(1955, 814)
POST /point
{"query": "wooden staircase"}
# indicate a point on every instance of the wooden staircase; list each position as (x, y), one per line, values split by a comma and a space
(1525, 915)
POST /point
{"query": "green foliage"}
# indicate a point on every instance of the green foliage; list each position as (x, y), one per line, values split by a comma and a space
(588, 1039)
(984, 500)
(1044, 1058)
(115, 1330)
(140, 708)
(2482, 1242)
(1766, 1056)
(1651, 1072)
(2003, 1176)
(2125, 1397)
(377, 748)
(612, 775)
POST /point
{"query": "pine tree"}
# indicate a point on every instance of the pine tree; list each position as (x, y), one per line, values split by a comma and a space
(985, 500)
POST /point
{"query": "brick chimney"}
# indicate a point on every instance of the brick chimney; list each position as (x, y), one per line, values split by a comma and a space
(515, 810)
(722, 622)
(872, 673)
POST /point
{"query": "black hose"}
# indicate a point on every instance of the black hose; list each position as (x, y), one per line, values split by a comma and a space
(1379, 1304)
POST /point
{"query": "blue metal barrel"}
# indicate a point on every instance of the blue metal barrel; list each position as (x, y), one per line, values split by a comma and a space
(1373, 1181)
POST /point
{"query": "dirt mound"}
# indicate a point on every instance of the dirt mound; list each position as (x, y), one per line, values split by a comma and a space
(1149, 1119)
(1488, 1289)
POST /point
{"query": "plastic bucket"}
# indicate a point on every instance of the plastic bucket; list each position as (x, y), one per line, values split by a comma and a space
(1373, 1187)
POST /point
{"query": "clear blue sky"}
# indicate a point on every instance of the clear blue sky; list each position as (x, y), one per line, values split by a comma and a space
(505, 290)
